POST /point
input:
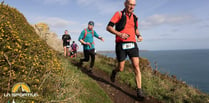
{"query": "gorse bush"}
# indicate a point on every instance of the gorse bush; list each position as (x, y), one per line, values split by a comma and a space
(24, 57)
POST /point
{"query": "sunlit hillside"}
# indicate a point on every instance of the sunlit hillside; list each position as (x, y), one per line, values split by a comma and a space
(29, 65)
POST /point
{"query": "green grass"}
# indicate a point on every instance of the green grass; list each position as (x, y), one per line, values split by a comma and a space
(78, 87)
(160, 86)
(72, 86)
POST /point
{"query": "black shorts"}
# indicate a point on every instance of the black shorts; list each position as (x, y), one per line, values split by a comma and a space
(74, 51)
(67, 44)
(122, 53)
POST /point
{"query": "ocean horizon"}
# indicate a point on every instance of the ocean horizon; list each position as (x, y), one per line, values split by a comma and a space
(190, 66)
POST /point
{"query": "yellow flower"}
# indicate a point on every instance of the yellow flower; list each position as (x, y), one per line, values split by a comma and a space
(13, 62)
(1, 52)
(8, 47)
(37, 80)
(5, 69)
(16, 50)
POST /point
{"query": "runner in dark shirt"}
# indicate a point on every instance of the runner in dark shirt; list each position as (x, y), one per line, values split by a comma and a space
(66, 42)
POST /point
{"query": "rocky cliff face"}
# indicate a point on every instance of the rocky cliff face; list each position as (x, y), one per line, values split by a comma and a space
(43, 30)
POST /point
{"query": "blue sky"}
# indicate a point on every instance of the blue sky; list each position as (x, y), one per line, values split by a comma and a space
(164, 24)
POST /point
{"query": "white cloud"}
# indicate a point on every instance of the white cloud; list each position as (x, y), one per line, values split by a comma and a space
(61, 2)
(156, 20)
(58, 25)
(205, 23)
(55, 22)
(147, 6)
(104, 6)
(85, 2)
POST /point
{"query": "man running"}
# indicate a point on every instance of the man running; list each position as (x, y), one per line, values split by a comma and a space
(74, 48)
(66, 42)
(126, 31)
(86, 38)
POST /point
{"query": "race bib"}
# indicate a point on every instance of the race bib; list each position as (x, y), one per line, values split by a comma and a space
(126, 46)
(68, 46)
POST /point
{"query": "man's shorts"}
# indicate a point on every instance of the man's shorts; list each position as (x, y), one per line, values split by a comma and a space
(124, 49)
(66, 44)
(74, 51)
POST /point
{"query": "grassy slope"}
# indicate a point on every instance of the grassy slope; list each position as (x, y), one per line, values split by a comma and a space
(77, 87)
(160, 86)
(24, 57)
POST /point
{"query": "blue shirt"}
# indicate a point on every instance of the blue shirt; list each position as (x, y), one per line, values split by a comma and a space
(89, 38)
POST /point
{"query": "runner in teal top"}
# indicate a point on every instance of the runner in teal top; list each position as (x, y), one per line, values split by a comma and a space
(87, 40)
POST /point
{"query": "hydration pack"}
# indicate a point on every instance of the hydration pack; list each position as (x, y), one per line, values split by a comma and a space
(122, 22)
(86, 32)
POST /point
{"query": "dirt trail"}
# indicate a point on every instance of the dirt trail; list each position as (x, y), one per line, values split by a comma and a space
(119, 93)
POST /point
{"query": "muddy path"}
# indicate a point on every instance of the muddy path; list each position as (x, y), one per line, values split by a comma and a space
(118, 92)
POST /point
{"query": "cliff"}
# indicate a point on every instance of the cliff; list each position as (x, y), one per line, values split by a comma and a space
(43, 30)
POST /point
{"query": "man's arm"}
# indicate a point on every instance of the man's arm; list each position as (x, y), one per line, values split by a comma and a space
(82, 41)
(85, 43)
(139, 37)
(69, 38)
(112, 30)
(62, 38)
(77, 47)
(97, 36)
(115, 32)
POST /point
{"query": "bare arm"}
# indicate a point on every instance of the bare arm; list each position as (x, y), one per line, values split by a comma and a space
(117, 33)
(85, 43)
(82, 41)
(113, 31)
(139, 37)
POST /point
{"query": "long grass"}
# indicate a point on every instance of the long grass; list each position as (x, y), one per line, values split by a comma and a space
(155, 84)
(77, 87)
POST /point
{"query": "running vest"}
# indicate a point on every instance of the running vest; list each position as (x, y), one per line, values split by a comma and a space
(87, 33)
(74, 46)
(122, 22)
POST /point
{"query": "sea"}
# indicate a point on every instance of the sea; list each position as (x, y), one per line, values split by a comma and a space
(190, 66)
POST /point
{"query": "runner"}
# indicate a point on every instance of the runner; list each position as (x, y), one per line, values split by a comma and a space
(74, 48)
(126, 31)
(66, 42)
(86, 38)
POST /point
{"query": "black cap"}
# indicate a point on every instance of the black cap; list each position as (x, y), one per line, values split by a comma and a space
(91, 23)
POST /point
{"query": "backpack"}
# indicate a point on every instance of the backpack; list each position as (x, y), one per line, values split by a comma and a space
(122, 22)
(87, 33)
(74, 46)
